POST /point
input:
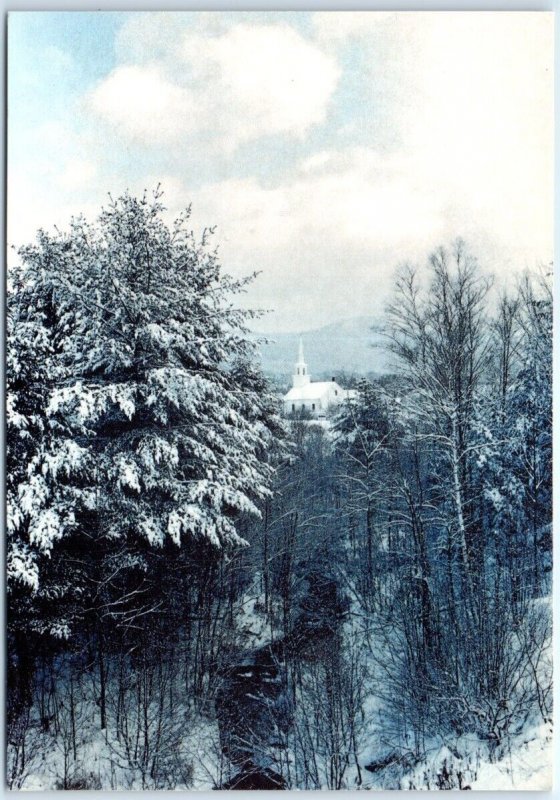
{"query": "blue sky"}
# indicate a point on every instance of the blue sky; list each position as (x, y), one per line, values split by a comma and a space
(326, 147)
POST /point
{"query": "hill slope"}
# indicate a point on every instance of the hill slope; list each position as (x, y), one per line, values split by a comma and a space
(350, 346)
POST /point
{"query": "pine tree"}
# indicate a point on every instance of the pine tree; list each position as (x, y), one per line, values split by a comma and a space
(162, 442)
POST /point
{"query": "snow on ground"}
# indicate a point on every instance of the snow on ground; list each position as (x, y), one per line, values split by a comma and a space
(522, 763)
(203, 750)
(196, 762)
(251, 620)
(528, 764)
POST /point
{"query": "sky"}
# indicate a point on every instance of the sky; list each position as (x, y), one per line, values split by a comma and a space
(327, 148)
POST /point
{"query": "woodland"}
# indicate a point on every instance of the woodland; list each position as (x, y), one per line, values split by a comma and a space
(203, 594)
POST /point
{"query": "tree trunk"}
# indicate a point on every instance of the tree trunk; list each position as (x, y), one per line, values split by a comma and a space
(102, 681)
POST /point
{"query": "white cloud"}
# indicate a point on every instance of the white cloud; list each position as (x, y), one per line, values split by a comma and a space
(467, 102)
(30, 207)
(144, 105)
(326, 239)
(269, 79)
(77, 174)
(247, 82)
(336, 29)
(460, 145)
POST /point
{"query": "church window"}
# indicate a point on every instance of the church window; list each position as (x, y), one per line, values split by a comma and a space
(303, 406)
(298, 370)
(336, 391)
(313, 406)
(293, 406)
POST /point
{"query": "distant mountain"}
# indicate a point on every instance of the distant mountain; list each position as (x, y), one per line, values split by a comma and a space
(348, 346)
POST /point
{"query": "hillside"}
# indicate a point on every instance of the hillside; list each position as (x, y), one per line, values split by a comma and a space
(350, 346)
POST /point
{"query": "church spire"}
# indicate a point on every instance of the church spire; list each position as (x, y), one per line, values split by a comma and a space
(300, 376)
(301, 360)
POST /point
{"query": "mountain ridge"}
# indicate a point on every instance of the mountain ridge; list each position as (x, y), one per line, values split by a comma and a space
(350, 345)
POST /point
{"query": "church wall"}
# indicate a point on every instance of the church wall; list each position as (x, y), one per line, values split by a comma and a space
(328, 399)
(331, 394)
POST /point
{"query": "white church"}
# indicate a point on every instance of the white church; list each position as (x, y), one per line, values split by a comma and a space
(315, 397)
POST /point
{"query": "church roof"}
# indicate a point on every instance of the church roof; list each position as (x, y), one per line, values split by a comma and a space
(311, 391)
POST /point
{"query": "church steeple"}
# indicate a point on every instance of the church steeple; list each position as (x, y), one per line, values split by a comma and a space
(300, 376)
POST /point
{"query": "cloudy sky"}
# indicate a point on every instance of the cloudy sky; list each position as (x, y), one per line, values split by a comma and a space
(326, 147)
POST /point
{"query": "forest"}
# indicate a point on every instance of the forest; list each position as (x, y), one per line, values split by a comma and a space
(202, 594)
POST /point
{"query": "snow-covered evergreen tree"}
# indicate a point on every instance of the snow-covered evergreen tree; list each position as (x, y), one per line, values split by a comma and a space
(46, 465)
(169, 439)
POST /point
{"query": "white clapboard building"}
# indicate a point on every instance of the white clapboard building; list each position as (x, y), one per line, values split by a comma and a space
(315, 397)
